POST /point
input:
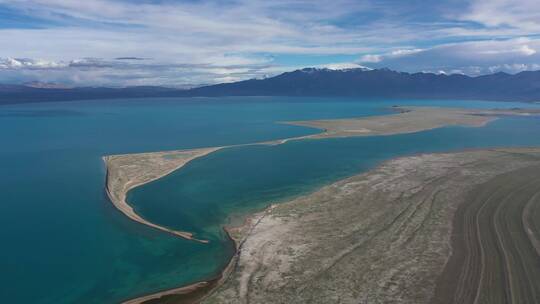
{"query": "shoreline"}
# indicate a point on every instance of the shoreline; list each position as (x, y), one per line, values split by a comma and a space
(118, 198)
(481, 118)
(239, 234)
(257, 261)
(200, 290)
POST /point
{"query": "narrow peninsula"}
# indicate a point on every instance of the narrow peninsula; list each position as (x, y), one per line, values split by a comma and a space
(408, 120)
(381, 236)
(127, 171)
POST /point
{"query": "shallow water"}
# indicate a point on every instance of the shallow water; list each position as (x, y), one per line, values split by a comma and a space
(64, 240)
(201, 196)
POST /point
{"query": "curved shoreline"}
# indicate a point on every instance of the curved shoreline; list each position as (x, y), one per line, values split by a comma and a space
(405, 217)
(237, 235)
(406, 121)
(117, 193)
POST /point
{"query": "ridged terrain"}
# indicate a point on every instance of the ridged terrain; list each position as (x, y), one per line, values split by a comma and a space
(435, 228)
(496, 260)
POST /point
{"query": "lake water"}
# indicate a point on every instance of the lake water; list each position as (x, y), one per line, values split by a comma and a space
(63, 240)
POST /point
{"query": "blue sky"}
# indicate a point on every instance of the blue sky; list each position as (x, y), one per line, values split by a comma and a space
(189, 43)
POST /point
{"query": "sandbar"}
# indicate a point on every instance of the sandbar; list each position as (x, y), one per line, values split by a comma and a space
(125, 172)
(407, 120)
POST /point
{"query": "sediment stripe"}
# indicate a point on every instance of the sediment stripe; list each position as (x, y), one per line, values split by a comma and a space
(495, 247)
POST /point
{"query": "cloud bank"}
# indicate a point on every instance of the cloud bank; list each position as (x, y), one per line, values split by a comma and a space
(188, 43)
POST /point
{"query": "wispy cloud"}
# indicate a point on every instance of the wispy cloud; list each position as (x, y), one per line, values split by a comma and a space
(523, 15)
(474, 57)
(208, 41)
(130, 71)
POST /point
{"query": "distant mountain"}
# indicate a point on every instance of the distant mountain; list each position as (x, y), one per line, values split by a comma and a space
(524, 86)
(10, 94)
(384, 83)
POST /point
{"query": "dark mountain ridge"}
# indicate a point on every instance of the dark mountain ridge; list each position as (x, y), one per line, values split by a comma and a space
(385, 83)
(524, 86)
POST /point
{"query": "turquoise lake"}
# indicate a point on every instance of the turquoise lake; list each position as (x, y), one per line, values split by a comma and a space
(63, 239)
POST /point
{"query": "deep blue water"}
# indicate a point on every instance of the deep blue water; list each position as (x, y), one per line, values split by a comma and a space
(64, 241)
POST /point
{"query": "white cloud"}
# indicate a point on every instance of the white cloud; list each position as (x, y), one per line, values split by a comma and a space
(115, 72)
(523, 15)
(404, 52)
(220, 38)
(243, 23)
(28, 63)
(209, 41)
(370, 58)
(342, 66)
(526, 50)
(375, 58)
(476, 57)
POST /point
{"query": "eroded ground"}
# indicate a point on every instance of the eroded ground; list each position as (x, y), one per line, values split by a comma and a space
(385, 236)
(497, 237)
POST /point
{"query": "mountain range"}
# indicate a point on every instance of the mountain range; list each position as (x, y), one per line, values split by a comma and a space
(361, 83)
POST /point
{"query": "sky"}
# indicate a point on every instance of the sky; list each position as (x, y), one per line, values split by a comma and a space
(198, 42)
